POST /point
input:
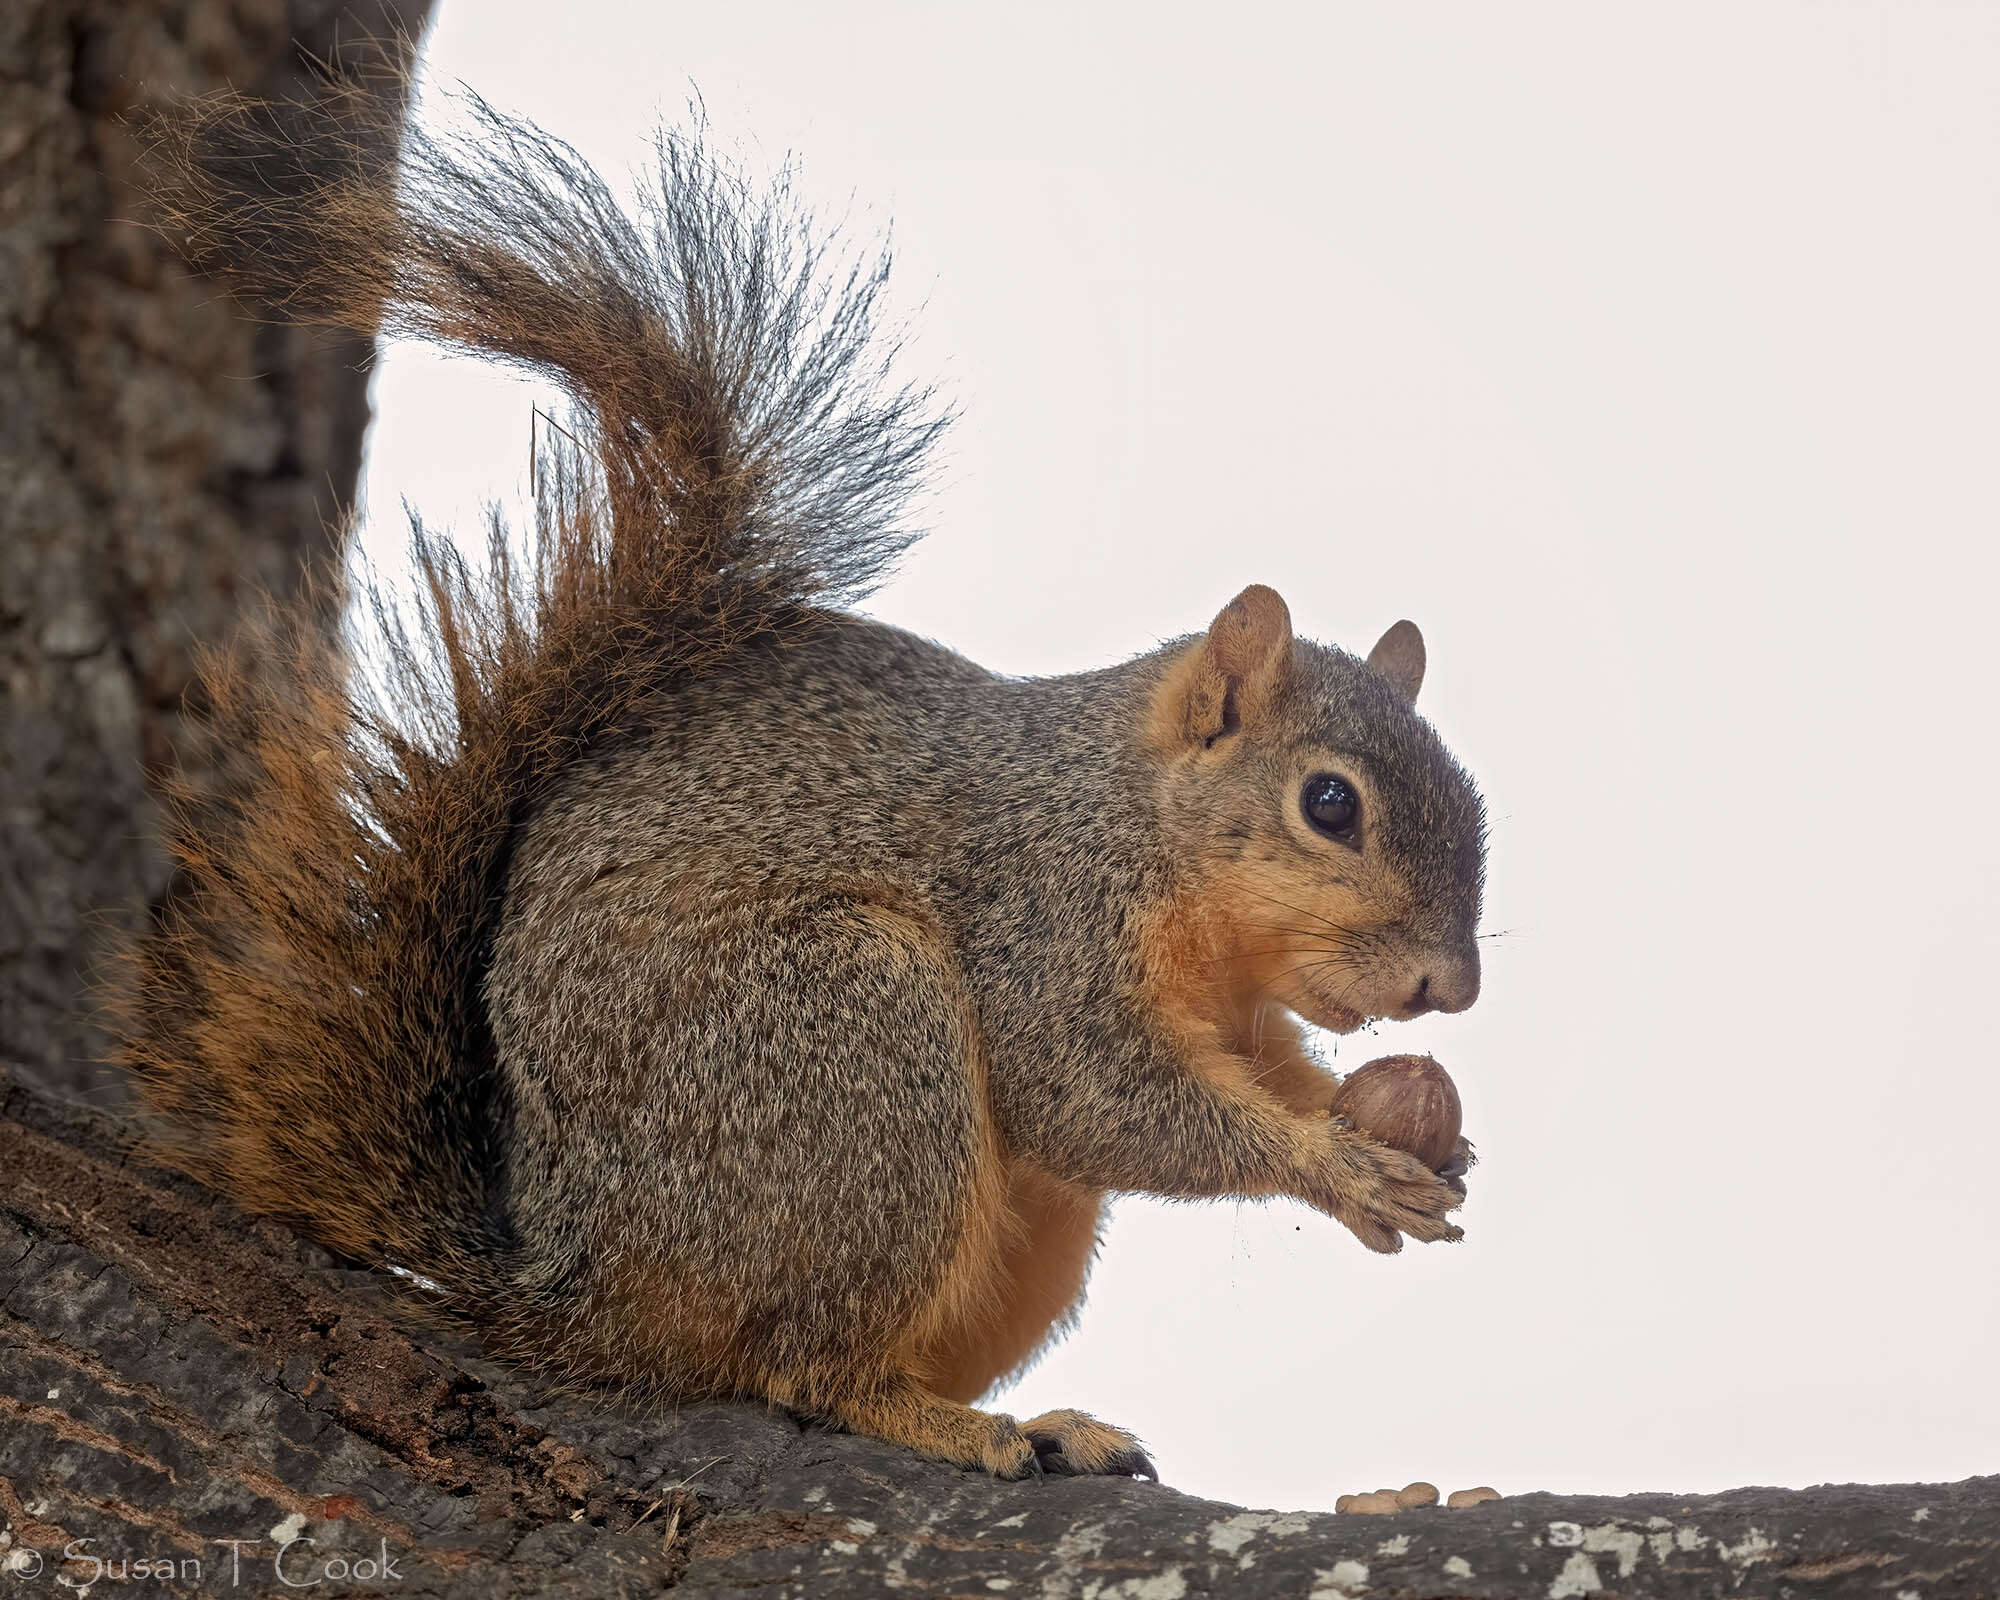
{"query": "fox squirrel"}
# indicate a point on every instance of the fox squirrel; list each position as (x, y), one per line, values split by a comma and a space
(697, 985)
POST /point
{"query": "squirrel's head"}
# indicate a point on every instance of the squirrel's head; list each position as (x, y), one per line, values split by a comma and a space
(1335, 848)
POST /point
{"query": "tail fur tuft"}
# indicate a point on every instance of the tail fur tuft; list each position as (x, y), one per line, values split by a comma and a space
(305, 1018)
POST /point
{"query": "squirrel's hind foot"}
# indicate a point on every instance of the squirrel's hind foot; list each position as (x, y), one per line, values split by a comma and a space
(1057, 1444)
(1075, 1444)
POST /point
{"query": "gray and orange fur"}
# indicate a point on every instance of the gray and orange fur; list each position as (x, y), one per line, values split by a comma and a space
(708, 989)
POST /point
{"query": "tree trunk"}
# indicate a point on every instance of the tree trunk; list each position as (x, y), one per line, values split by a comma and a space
(161, 459)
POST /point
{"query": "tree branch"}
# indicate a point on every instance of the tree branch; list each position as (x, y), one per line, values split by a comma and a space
(174, 1378)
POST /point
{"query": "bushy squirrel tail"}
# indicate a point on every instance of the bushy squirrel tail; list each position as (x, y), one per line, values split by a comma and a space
(304, 1016)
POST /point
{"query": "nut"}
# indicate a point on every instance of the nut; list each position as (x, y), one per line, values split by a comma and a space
(1408, 1102)
(1417, 1494)
(1459, 1499)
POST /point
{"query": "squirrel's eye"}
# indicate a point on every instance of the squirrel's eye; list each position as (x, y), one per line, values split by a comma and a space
(1332, 806)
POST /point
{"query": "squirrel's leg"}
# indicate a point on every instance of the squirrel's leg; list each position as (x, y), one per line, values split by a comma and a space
(1196, 1124)
(1044, 1257)
(758, 1143)
(903, 1411)
(1269, 1041)
(897, 1407)
(1038, 1271)
(1016, 1264)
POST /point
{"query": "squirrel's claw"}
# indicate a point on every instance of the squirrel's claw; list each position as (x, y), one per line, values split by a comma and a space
(1070, 1444)
(1051, 1462)
(1137, 1464)
(1463, 1159)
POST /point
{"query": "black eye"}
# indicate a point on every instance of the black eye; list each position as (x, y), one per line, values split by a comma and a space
(1332, 806)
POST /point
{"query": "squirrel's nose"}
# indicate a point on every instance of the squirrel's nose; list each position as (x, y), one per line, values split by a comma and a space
(1448, 985)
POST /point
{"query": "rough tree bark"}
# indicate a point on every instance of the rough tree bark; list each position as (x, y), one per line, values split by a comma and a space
(177, 1384)
(161, 457)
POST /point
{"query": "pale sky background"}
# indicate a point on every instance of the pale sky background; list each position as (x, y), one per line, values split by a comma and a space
(1649, 358)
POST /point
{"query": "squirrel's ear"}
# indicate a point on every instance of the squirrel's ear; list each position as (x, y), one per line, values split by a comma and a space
(1399, 656)
(1226, 680)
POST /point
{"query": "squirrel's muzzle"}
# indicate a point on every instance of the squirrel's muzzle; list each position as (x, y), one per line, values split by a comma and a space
(1448, 983)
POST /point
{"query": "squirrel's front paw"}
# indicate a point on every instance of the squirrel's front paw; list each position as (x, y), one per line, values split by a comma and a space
(1379, 1194)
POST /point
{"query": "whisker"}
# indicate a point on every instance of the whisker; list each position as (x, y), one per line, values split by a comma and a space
(1274, 950)
(1331, 931)
(1306, 967)
(1335, 963)
(1310, 916)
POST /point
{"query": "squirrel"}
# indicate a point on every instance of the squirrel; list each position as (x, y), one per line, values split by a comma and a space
(695, 985)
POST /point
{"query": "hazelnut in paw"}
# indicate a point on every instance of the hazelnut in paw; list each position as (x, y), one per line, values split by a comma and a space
(1410, 1104)
(1396, 1126)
